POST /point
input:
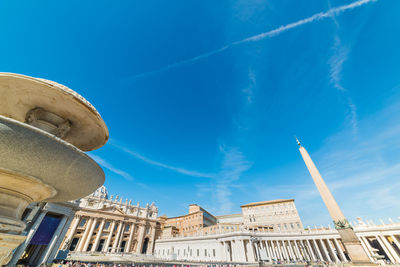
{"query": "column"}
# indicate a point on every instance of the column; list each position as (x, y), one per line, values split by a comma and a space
(256, 250)
(395, 241)
(278, 246)
(98, 236)
(385, 249)
(335, 258)
(105, 249)
(233, 250)
(128, 248)
(121, 236)
(55, 237)
(306, 250)
(250, 251)
(278, 250)
(391, 250)
(367, 247)
(317, 249)
(226, 249)
(265, 249)
(116, 239)
(89, 236)
(298, 250)
(292, 253)
(140, 239)
(284, 250)
(311, 250)
(32, 231)
(274, 256)
(152, 239)
(325, 250)
(270, 255)
(71, 232)
(83, 239)
(289, 252)
(339, 249)
(241, 251)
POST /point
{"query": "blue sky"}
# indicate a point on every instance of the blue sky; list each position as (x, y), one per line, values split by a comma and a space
(203, 98)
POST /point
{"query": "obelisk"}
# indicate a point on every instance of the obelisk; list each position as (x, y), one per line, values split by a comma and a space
(350, 241)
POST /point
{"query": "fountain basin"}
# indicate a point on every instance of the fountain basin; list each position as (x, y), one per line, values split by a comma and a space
(21, 96)
(37, 166)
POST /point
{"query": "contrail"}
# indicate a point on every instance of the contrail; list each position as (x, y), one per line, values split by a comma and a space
(319, 16)
(159, 164)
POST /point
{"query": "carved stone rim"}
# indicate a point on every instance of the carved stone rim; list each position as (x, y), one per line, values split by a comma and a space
(89, 130)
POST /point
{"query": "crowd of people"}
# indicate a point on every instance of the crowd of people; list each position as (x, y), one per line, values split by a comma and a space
(108, 264)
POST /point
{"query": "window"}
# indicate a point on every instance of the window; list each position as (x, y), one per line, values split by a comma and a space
(100, 246)
(213, 252)
(127, 228)
(205, 252)
(198, 252)
(97, 226)
(82, 223)
(107, 225)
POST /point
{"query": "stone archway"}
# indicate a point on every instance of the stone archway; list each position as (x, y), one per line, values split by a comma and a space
(145, 245)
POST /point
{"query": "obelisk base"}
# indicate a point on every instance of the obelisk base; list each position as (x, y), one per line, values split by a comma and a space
(354, 248)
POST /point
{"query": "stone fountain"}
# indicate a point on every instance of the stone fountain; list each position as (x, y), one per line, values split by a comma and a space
(44, 129)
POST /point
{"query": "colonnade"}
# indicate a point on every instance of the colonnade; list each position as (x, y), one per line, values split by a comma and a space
(110, 235)
(240, 247)
(295, 250)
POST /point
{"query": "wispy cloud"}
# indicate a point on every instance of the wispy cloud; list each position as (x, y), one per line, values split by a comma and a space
(336, 61)
(110, 167)
(316, 17)
(249, 90)
(159, 164)
(233, 166)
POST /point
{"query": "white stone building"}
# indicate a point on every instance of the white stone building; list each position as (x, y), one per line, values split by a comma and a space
(106, 224)
(381, 242)
(277, 215)
(231, 218)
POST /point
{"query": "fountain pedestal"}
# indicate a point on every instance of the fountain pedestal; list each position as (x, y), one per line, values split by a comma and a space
(44, 126)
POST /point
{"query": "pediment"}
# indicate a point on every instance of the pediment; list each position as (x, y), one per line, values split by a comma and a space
(113, 210)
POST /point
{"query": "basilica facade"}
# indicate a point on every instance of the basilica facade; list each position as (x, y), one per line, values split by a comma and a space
(104, 224)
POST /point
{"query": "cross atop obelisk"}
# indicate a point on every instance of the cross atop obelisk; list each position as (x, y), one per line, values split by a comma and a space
(350, 241)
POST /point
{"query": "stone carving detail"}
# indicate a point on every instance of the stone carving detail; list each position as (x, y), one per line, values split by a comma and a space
(48, 122)
(342, 224)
